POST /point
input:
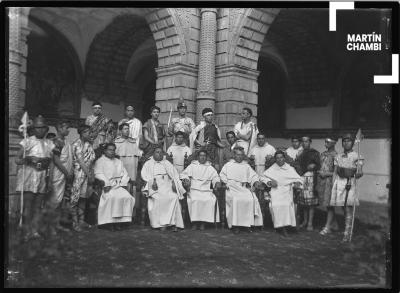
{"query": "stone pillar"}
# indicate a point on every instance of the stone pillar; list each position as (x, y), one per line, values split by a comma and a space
(18, 51)
(206, 78)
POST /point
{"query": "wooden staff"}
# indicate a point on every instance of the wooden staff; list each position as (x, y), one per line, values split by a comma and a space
(23, 127)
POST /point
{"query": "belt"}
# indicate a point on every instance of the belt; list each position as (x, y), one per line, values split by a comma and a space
(39, 166)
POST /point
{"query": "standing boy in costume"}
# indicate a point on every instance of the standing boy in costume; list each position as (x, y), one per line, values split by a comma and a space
(179, 150)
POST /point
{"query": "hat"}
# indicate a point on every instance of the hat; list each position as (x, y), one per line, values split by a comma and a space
(348, 136)
(206, 111)
(39, 121)
(129, 106)
(182, 104)
(331, 138)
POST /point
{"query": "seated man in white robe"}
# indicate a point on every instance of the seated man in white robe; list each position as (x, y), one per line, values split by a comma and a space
(242, 206)
(202, 203)
(179, 150)
(116, 204)
(164, 190)
(282, 178)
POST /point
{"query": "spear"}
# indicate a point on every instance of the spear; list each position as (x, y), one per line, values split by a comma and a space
(23, 128)
(359, 137)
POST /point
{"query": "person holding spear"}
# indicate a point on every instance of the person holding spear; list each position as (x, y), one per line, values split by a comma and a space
(34, 155)
(348, 168)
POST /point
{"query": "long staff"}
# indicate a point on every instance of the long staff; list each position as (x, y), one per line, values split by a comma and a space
(23, 127)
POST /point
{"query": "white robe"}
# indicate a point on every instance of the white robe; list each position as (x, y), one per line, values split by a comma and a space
(259, 154)
(294, 153)
(163, 204)
(281, 205)
(115, 206)
(178, 155)
(245, 129)
(242, 206)
(202, 203)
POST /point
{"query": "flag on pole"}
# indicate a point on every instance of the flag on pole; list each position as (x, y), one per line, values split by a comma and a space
(359, 136)
(23, 127)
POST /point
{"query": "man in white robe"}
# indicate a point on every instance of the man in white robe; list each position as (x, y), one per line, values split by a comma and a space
(164, 190)
(294, 151)
(135, 126)
(261, 153)
(178, 150)
(242, 206)
(282, 178)
(116, 204)
(246, 131)
(202, 203)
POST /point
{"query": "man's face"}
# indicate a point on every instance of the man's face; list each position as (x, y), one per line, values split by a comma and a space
(209, 117)
(97, 110)
(231, 138)
(280, 159)
(87, 136)
(329, 144)
(245, 115)
(179, 139)
(155, 113)
(125, 131)
(202, 158)
(158, 154)
(238, 156)
(110, 152)
(40, 132)
(260, 140)
(130, 113)
(182, 111)
(295, 143)
(64, 130)
(347, 144)
(306, 143)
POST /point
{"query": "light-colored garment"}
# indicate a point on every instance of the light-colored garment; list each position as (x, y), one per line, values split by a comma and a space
(324, 185)
(84, 152)
(242, 206)
(259, 153)
(163, 203)
(129, 153)
(349, 160)
(115, 206)
(178, 155)
(58, 179)
(135, 128)
(185, 124)
(293, 153)
(246, 129)
(198, 133)
(202, 203)
(281, 204)
(101, 127)
(33, 180)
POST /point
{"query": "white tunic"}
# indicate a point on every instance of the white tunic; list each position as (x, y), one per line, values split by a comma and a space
(259, 153)
(115, 206)
(178, 155)
(202, 203)
(281, 205)
(245, 129)
(242, 206)
(163, 204)
(294, 153)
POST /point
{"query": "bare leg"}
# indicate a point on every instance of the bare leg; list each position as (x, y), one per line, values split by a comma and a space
(37, 212)
(28, 212)
(305, 216)
(310, 226)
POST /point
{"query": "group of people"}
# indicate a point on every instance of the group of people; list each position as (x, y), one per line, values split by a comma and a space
(115, 163)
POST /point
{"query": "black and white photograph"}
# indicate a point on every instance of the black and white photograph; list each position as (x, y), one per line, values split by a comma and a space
(243, 145)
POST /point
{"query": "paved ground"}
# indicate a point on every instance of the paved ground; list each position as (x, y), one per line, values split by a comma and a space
(142, 257)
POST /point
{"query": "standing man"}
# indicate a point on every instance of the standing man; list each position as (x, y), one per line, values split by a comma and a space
(208, 136)
(261, 153)
(242, 206)
(33, 183)
(101, 127)
(179, 150)
(153, 134)
(246, 131)
(309, 164)
(348, 168)
(182, 123)
(296, 148)
(227, 151)
(135, 126)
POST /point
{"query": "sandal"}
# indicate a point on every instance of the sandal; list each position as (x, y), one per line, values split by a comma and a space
(325, 231)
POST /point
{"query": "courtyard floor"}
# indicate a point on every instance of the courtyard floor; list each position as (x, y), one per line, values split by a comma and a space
(143, 257)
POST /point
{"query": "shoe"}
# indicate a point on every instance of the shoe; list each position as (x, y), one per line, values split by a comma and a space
(325, 231)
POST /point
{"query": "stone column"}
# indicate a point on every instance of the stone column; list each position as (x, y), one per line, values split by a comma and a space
(206, 78)
(18, 51)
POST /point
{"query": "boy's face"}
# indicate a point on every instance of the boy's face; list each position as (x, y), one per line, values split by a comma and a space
(231, 138)
(182, 111)
(245, 114)
(110, 152)
(64, 130)
(280, 159)
(40, 132)
(209, 117)
(202, 158)
(295, 143)
(129, 112)
(329, 144)
(306, 143)
(86, 135)
(96, 110)
(125, 131)
(179, 139)
(158, 154)
(238, 156)
(155, 113)
(260, 140)
(347, 144)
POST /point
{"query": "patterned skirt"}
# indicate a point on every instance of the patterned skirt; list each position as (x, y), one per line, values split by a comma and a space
(308, 196)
